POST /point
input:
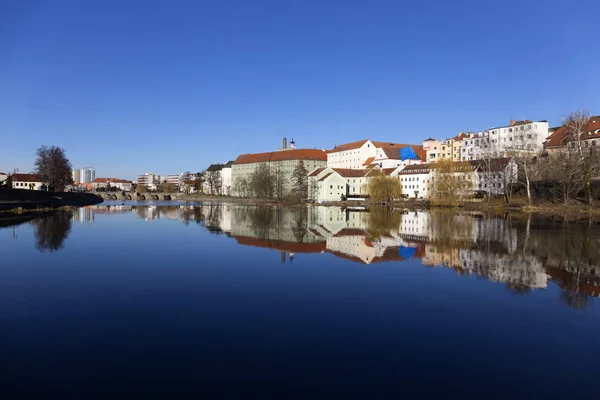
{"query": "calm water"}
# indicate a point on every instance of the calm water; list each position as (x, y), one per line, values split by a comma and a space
(223, 301)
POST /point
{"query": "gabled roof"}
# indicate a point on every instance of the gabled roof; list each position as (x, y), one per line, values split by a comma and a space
(369, 161)
(560, 135)
(27, 178)
(496, 164)
(351, 173)
(296, 154)
(317, 171)
(393, 152)
(348, 146)
(325, 176)
(460, 137)
(214, 168)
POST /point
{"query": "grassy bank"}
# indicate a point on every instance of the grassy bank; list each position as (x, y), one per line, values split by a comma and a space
(19, 200)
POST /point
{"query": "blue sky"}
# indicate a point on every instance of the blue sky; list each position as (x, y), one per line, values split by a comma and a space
(166, 86)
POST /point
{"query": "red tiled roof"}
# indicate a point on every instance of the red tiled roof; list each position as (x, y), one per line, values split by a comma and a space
(317, 171)
(415, 169)
(111, 180)
(369, 161)
(495, 164)
(27, 178)
(351, 173)
(297, 154)
(348, 146)
(460, 137)
(282, 245)
(558, 137)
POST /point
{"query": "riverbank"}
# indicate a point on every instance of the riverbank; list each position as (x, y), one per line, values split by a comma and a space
(13, 200)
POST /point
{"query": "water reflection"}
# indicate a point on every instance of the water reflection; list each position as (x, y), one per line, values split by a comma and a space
(51, 231)
(524, 255)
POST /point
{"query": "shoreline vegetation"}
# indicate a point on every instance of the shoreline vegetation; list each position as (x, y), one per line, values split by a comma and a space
(573, 210)
(23, 200)
(18, 201)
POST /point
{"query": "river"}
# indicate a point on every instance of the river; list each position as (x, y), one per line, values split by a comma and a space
(229, 301)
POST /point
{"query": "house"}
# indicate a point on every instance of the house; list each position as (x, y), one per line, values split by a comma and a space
(281, 164)
(3, 177)
(415, 181)
(396, 156)
(442, 150)
(120, 184)
(28, 181)
(560, 136)
(217, 180)
(361, 154)
(331, 184)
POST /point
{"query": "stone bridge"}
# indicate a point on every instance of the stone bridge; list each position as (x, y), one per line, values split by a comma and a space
(138, 196)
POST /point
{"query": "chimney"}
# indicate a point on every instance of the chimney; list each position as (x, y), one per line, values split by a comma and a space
(292, 144)
(512, 122)
(284, 143)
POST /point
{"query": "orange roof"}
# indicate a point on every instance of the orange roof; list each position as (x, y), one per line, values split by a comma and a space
(369, 161)
(348, 146)
(26, 178)
(557, 138)
(282, 245)
(297, 154)
(460, 137)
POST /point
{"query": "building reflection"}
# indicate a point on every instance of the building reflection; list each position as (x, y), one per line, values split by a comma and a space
(523, 255)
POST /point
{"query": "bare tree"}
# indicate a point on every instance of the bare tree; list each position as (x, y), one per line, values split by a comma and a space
(53, 167)
(523, 150)
(199, 180)
(575, 130)
(214, 182)
(261, 182)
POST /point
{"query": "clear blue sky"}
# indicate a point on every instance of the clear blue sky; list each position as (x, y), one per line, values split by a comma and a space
(166, 86)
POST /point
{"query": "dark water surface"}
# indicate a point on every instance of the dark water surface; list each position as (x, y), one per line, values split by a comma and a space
(224, 301)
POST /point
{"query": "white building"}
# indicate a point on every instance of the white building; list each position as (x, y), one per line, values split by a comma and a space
(281, 164)
(330, 184)
(87, 175)
(224, 173)
(415, 181)
(394, 157)
(150, 181)
(27, 181)
(361, 154)
(120, 184)
(498, 141)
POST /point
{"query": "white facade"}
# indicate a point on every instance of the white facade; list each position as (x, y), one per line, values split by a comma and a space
(27, 181)
(351, 155)
(499, 140)
(325, 184)
(87, 175)
(149, 180)
(415, 181)
(226, 179)
(390, 158)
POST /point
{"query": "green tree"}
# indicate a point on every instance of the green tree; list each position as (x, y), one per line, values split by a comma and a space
(300, 181)
(199, 181)
(7, 184)
(382, 188)
(167, 187)
(53, 167)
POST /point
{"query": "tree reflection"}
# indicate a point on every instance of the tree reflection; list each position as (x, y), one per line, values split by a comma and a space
(300, 225)
(381, 221)
(51, 231)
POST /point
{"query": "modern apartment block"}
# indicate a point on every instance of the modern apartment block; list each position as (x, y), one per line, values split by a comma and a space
(498, 142)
